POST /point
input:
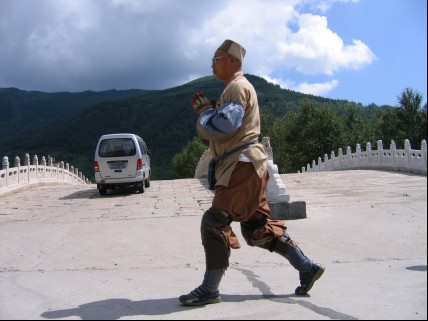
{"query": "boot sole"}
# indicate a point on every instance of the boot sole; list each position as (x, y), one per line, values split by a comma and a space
(198, 303)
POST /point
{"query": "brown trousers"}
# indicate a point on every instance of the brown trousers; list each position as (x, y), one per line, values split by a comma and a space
(244, 200)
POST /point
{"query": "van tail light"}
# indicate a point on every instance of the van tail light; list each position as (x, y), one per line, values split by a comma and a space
(96, 166)
(139, 163)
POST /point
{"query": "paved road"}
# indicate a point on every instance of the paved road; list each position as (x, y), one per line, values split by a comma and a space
(68, 253)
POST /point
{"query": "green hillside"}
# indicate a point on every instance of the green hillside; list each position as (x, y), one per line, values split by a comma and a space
(164, 119)
(22, 110)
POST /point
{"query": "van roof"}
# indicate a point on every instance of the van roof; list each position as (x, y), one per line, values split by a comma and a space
(119, 135)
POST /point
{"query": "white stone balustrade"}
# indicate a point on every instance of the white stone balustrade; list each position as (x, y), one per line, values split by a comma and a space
(275, 189)
(11, 177)
(392, 159)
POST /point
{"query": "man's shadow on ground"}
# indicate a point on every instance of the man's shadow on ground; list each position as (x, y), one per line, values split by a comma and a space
(114, 309)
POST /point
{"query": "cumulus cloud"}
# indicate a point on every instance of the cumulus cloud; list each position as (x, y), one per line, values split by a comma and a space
(315, 49)
(75, 45)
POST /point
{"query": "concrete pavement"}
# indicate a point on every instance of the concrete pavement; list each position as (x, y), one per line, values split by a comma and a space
(68, 253)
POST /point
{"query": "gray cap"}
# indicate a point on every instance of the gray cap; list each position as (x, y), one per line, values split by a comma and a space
(234, 49)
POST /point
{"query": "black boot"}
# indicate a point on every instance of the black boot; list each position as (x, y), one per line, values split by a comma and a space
(207, 292)
(309, 272)
(308, 279)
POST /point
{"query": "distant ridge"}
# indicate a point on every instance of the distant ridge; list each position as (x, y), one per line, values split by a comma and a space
(22, 110)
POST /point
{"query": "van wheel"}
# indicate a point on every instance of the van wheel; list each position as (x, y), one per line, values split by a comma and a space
(141, 188)
(103, 191)
(147, 182)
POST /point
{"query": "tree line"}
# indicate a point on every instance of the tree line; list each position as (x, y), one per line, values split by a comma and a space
(310, 130)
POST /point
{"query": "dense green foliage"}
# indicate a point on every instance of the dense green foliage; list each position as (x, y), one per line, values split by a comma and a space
(185, 162)
(304, 135)
(302, 127)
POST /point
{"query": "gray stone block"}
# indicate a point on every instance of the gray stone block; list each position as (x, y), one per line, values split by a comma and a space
(287, 210)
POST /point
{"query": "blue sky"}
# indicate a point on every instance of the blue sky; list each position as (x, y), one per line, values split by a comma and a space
(366, 51)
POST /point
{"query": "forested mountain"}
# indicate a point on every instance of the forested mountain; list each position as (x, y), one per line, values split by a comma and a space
(164, 119)
(23, 110)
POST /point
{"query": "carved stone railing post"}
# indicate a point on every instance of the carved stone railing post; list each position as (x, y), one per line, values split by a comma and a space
(333, 161)
(67, 167)
(43, 163)
(57, 171)
(326, 162)
(61, 165)
(277, 196)
(340, 157)
(380, 151)
(5, 167)
(17, 162)
(267, 147)
(407, 151)
(36, 164)
(276, 189)
(27, 163)
(18, 166)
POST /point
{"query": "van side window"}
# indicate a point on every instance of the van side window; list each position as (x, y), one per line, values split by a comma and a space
(143, 147)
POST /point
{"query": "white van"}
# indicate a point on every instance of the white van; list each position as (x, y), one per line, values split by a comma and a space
(121, 160)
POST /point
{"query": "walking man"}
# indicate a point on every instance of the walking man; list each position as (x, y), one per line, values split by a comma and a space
(231, 125)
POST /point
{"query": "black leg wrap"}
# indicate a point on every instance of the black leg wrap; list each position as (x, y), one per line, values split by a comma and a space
(215, 244)
(273, 244)
(287, 248)
(280, 245)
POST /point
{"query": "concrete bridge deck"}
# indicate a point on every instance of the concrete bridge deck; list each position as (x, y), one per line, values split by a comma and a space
(68, 253)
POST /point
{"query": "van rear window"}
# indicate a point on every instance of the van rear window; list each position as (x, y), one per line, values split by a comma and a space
(117, 147)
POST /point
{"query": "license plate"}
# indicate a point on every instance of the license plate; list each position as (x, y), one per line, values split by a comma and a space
(118, 166)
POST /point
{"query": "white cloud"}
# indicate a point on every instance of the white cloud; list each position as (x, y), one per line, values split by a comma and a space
(81, 44)
(315, 49)
(316, 89)
(278, 37)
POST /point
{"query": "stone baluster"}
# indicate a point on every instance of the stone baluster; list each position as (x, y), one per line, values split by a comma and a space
(407, 148)
(61, 166)
(27, 163)
(36, 163)
(27, 159)
(5, 167)
(18, 167)
(43, 163)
